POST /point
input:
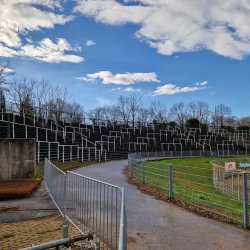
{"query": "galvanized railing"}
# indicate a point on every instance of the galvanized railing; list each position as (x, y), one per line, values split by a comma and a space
(194, 185)
(89, 204)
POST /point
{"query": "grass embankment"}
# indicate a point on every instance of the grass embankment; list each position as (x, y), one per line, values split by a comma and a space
(192, 183)
(66, 166)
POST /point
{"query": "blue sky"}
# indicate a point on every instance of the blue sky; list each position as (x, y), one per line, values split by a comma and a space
(164, 50)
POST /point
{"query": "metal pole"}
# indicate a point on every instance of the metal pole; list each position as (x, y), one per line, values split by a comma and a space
(170, 176)
(122, 234)
(245, 200)
(38, 152)
(65, 222)
(143, 172)
(8, 125)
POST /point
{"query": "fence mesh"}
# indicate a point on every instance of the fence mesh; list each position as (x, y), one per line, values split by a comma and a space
(213, 189)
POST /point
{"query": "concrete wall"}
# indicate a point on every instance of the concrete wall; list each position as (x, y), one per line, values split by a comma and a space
(17, 158)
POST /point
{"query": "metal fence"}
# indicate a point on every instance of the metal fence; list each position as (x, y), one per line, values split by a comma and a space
(193, 185)
(89, 204)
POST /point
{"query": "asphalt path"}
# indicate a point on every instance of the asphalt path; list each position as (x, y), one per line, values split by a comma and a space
(154, 224)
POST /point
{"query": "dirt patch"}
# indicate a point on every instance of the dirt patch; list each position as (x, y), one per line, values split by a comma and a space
(36, 231)
(18, 188)
(159, 196)
(131, 239)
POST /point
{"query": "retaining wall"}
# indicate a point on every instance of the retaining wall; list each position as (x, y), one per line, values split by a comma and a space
(17, 158)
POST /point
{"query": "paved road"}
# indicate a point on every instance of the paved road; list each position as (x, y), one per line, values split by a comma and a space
(156, 225)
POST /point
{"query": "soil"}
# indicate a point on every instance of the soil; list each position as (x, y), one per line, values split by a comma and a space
(159, 196)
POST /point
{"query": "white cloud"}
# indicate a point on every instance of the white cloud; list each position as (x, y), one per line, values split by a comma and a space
(116, 89)
(124, 79)
(213, 93)
(29, 40)
(201, 84)
(89, 43)
(51, 52)
(221, 26)
(19, 17)
(132, 89)
(2, 69)
(103, 101)
(85, 79)
(170, 89)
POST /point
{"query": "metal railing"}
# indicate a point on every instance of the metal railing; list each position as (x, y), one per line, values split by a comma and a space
(194, 185)
(89, 204)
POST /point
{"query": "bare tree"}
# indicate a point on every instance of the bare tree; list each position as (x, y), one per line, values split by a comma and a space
(143, 116)
(223, 112)
(192, 110)
(157, 111)
(22, 92)
(124, 110)
(134, 105)
(231, 121)
(178, 113)
(244, 121)
(2, 100)
(75, 111)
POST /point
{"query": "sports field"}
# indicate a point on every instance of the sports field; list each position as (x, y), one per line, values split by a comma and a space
(193, 183)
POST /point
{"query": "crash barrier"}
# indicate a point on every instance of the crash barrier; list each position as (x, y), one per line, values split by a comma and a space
(89, 204)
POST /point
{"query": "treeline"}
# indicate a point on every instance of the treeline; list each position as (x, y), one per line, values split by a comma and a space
(52, 101)
(131, 111)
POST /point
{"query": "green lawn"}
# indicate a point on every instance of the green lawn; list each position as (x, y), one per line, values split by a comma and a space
(192, 183)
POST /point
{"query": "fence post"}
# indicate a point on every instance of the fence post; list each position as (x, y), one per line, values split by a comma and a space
(245, 200)
(143, 172)
(82, 153)
(156, 155)
(49, 152)
(38, 152)
(171, 154)
(148, 155)
(13, 130)
(140, 156)
(8, 125)
(65, 222)
(170, 176)
(63, 153)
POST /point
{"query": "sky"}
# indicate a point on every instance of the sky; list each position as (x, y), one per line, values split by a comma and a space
(163, 50)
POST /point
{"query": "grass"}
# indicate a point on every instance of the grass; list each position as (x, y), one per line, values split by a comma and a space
(192, 183)
(6, 235)
(66, 166)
